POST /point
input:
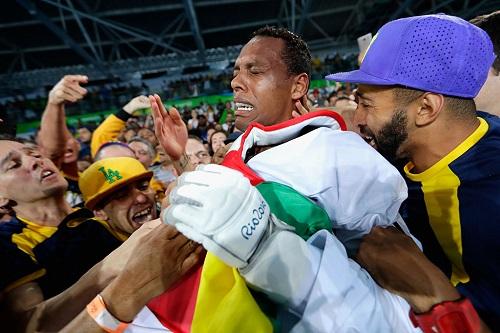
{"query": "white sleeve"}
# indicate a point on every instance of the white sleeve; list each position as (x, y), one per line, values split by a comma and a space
(328, 292)
(351, 181)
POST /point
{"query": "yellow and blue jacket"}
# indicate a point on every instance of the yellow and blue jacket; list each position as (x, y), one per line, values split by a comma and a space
(453, 208)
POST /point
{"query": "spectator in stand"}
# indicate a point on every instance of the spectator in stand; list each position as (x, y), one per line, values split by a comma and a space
(216, 141)
(147, 134)
(487, 99)
(128, 133)
(344, 102)
(192, 123)
(84, 136)
(228, 126)
(210, 114)
(114, 149)
(143, 150)
(316, 99)
(202, 130)
(110, 129)
(164, 170)
(196, 151)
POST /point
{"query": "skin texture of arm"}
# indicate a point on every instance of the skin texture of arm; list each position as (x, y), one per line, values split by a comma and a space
(54, 137)
(168, 257)
(149, 261)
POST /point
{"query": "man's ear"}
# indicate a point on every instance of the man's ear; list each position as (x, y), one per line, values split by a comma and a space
(300, 86)
(429, 107)
(101, 215)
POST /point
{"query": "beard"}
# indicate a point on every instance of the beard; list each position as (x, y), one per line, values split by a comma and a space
(392, 136)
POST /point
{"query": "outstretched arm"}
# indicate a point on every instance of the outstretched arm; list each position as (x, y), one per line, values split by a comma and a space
(54, 134)
(149, 262)
(163, 261)
(110, 128)
(397, 264)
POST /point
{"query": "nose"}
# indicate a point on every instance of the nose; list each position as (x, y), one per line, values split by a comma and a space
(237, 83)
(194, 160)
(140, 197)
(359, 117)
(34, 162)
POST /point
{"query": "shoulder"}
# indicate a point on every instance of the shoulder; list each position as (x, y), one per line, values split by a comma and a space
(18, 267)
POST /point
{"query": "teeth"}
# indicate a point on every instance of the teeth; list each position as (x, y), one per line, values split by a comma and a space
(46, 173)
(244, 107)
(143, 212)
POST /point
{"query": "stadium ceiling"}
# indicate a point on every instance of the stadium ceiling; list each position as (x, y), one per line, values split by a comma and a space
(55, 33)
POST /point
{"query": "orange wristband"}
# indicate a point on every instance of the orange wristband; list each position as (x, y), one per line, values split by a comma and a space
(97, 310)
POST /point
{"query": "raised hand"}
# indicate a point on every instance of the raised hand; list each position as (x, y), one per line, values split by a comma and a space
(169, 128)
(137, 103)
(68, 89)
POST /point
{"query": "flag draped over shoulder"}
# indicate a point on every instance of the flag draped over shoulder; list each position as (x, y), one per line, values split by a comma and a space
(214, 297)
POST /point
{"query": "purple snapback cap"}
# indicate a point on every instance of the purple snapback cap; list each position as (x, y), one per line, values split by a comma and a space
(436, 53)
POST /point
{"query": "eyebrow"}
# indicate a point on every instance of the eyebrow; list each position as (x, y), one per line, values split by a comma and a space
(362, 95)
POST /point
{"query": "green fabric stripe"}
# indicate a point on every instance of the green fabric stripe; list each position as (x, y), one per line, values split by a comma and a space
(294, 209)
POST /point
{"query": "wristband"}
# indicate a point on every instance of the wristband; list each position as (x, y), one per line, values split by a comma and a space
(97, 310)
(448, 317)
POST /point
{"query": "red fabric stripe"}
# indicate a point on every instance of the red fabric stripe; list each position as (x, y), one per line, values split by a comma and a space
(234, 161)
(175, 308)
(294, 121)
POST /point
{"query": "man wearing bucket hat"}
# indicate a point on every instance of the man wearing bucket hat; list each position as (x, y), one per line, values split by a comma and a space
(117, 191)
(417, 82)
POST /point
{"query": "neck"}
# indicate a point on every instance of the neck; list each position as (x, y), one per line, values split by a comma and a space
(47, 212)
(439, 142)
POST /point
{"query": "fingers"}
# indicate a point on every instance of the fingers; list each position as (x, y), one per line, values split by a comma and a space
(192, 259)
(175, 115)
(161, 107)
(157, 117)
(154, 107)
(168, 232)
(71, 83)
(68, 89)
(76, 78)
(190, 194)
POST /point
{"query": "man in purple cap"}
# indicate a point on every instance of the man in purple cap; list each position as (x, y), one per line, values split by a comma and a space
(417, 82)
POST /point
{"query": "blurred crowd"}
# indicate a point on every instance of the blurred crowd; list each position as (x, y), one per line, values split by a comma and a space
(109, 96)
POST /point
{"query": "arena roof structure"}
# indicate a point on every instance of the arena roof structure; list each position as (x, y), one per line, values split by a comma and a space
(40, 39)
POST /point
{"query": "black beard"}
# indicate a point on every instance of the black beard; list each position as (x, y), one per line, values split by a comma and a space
(391, 137)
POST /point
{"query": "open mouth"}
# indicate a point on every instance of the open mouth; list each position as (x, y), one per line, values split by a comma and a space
(46, 174)
(142, 216)
(370, 140)
(368, 136)
(243, 107)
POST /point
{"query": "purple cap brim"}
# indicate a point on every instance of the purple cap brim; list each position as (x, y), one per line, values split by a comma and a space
(358, 76)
